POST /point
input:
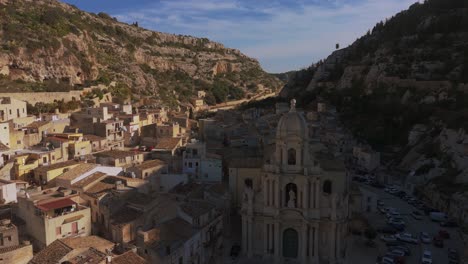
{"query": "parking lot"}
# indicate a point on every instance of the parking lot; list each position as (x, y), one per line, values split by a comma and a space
(359, 253)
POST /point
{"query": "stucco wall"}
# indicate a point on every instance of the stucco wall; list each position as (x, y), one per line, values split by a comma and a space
(46, 97)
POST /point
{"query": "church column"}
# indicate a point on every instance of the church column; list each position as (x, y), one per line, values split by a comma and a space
(304, 243)
(332, 243)
(265, 191)
(277, 243)
(244, 235)
(304, 196)
(338, 241)
(317, 193)
(249, 237)
(316, 242)
(266, 237)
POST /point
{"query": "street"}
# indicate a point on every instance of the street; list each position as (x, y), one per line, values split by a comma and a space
(359, 253)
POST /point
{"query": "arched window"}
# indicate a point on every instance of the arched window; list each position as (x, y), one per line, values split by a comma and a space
(291, 195)
(327, 187)
(291, 156)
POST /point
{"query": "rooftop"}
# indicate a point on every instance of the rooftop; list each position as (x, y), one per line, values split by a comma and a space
(90, 256)
(3, 147)
(129, 257)
(125, 216)
(168, 143)
(196, 208)
(150, 164)
(78, 171)
(116, 154)
(87, 241)
(89, 180)
(52, 254)
(37, 124)
(93, 137)
(56, 166)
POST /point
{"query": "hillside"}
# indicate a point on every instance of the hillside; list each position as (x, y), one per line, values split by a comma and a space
(412, 68)
(46, 45)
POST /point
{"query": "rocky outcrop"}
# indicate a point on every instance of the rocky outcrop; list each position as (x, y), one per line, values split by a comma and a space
(44, 40)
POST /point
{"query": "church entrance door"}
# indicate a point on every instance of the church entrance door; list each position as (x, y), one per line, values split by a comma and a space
(290, 243)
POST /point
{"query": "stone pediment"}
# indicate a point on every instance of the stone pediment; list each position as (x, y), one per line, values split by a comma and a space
(291, 214)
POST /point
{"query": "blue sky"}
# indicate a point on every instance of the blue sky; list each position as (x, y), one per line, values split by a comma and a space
(282, 34)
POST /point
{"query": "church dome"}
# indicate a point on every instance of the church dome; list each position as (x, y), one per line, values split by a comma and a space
(292, 123)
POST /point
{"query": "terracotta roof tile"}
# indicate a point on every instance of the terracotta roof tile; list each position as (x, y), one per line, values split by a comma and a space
(52, 254)
(150, 164)
(56, 166)
(87, 241)
(116, 154)
(129, 257)
(77, 171)
(168, 143)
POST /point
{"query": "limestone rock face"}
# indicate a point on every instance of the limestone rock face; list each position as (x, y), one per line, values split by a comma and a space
(50, 40)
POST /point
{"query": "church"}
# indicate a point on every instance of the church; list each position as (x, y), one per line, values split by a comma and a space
(296, 209)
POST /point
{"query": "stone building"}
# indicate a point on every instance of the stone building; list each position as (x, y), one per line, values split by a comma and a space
(296, 211)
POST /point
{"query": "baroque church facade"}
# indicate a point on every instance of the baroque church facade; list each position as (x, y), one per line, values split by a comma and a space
(299, 212)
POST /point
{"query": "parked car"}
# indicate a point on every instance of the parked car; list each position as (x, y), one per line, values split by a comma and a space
(142, 148)
(397, 226)
(438, 216)
(403, 248)
(395, 221)
(449, 224)
(453, 255)
(388, 238)
(393, 214)
(385, 260)
(416, 215)
(380, 203)
(387, 230)
(396, 258)
(426, 257)
(398, 252)
(444, 234)
(425, 238)
(393, 243)
(407, 237)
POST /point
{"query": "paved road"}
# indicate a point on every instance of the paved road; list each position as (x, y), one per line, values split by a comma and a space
(358, 253)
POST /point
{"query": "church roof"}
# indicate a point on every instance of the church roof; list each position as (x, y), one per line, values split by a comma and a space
(292, 123)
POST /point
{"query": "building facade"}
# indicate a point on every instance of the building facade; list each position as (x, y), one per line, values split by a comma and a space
(297, 213)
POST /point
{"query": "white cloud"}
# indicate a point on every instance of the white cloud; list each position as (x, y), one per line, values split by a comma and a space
(280, 36)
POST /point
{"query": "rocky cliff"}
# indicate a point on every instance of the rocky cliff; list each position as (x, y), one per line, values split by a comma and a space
(411, 68)
(48, 45)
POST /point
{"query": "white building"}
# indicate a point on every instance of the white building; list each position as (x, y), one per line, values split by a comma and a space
(7, 192)
(201, 166)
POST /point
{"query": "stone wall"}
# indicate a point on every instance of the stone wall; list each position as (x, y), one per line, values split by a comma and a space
(45, 97)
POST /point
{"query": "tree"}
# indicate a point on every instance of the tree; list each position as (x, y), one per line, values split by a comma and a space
(337, 45)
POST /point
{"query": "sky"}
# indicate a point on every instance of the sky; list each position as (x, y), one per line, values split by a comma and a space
(283, 35)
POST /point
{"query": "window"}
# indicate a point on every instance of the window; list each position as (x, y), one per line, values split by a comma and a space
(196, 164)
(58, 230)
(327, 187)
(291, 156)
(190, 164)
(181, 260)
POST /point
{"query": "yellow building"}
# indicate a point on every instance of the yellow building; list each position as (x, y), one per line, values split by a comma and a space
(45, 174)
(23, 167)
(54, 214)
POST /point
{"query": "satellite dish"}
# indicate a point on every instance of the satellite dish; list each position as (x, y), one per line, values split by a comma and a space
(124, 129)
